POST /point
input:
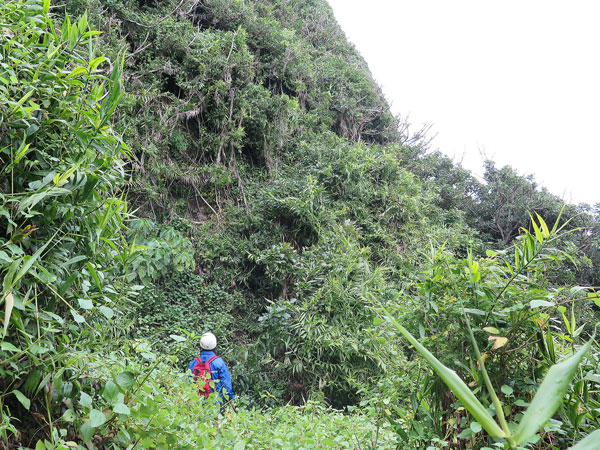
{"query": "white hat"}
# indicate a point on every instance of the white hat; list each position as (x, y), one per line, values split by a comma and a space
(208, 341)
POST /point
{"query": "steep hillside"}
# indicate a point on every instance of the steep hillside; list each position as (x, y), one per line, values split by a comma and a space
(232, 166)
(258, 132)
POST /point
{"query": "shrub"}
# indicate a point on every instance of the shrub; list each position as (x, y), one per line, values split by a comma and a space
(62, 247)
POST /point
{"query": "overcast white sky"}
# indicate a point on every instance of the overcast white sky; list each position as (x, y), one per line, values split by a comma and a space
(517, 79)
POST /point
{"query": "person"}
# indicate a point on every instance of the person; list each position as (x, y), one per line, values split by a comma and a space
(218, 370)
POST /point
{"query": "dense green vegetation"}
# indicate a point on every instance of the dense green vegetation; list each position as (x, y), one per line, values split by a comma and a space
(231, 166)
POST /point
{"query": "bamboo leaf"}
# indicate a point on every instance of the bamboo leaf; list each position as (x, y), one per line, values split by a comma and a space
(549, 395)
(22, 152)
(545, 230)
(94, 275)
(456, 385)
(7, 282)
(30, 261)
(9, 303)
(95, 63)
(23, 99)
(590, 442)
(555, 226)
(60, 180)
(538, 232)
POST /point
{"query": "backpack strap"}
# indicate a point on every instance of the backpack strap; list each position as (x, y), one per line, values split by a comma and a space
(211, 359)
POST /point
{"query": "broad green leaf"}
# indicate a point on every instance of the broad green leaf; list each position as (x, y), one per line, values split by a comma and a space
(474, 267)
(8, 347)
(78, 317)
(549, 395)
(87, 431)
(68, 416)
(97, 418)
(475, 427)
(107, 312)
(110, 391)
(85, 303)
(506, 389)
(125, 379)
(85, 400)
(590, 442)
(121, 408)
(540, 303)
(456, 385)
(240, 445)
(177, 338)
(21, 397)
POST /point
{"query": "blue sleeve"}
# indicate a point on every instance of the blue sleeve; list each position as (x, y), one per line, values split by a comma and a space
(192, 365)
(224, 379)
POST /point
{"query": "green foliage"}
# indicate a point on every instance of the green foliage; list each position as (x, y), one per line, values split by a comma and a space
(281, 204)
(506, 201)
(159, 251)
(231, 84)
(187, 302)
(322, 244)
(318, 337)
(63, 253)
(123, 403)
(489, 285)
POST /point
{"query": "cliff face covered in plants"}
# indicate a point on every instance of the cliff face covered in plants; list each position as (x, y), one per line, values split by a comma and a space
(231, 166)
(258, 133)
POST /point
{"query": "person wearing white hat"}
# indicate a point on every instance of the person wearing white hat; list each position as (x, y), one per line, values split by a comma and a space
(219, 374)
